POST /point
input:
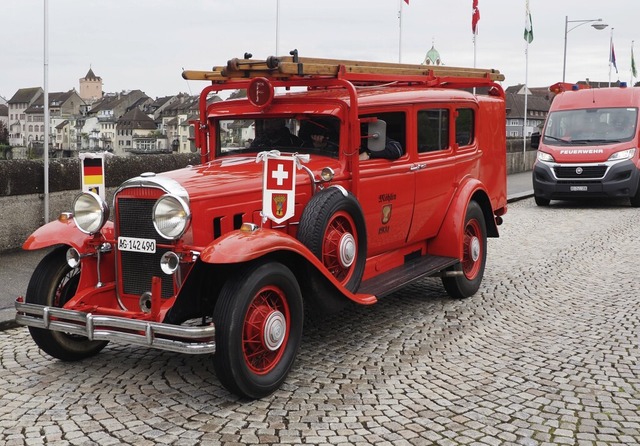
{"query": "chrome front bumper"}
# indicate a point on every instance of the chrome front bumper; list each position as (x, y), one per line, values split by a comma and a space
(175, 338)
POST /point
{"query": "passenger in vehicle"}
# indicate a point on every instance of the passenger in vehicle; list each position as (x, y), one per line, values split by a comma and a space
(621, 127)
(275, 134)
(392, 148)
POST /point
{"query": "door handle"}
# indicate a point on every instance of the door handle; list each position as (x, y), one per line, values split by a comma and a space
(418, 167)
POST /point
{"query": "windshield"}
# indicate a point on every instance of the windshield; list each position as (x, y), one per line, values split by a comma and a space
(591, 126)
(302, 134)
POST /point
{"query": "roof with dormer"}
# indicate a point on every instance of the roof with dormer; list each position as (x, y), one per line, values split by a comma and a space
(25, 95)
(136, 119)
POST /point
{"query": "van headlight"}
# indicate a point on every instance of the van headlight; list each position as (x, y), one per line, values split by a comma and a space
(544, 156)
(623, 155)
(90, 212)
(171, 216)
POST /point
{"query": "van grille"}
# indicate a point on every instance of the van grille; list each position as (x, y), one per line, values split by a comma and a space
(587, 171)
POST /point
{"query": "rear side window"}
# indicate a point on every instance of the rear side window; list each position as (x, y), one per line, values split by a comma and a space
(433, 130)
(465, 123)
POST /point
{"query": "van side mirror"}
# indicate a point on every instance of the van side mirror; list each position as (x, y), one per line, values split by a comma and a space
(535, 140)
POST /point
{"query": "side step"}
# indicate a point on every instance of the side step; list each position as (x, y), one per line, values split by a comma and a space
(396, 278)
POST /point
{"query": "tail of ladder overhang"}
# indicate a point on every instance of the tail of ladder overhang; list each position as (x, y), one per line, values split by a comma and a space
(358, 72)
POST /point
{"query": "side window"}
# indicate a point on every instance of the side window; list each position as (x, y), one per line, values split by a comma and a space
(433, 130)
(465, 123)
(396, 125)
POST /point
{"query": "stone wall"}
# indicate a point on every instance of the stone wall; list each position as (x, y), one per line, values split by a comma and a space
(22, 191)
(22, 195)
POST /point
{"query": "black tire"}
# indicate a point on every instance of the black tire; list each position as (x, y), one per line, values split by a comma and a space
(635, 199)
(474, 256)
(542, 202)
(261, 300)
(332, 227)
(52, 284)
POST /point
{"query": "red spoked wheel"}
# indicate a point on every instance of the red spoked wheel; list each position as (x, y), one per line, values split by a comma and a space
(467, 275)
(340, 246)
(266, 329)
(258, 319)
(472, 249)
(332, 227)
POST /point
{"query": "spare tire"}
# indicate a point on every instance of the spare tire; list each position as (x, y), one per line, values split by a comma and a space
(332, 227)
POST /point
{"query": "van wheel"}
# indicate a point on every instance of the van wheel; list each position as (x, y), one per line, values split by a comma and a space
(635, 199)
(542, 201)
(52, 284)
(258, 319)
(332, 227)
(474, 255)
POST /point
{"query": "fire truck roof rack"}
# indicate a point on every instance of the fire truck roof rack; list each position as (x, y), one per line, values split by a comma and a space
(358, 72)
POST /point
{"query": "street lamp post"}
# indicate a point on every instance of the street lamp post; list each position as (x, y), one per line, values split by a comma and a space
(599, 26)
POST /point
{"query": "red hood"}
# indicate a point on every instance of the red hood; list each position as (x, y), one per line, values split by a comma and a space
(584, 154)
(235, 174)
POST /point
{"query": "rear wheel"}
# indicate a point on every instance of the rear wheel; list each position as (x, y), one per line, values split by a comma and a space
(52, 284)
(469, 272)
(258, 320)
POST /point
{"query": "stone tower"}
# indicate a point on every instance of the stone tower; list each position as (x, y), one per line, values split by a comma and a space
(90, 87)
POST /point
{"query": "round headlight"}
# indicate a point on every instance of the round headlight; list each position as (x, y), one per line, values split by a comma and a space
(171, 216)
(90, 212)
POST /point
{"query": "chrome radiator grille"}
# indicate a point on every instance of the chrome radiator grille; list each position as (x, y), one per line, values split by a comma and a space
(137, 269)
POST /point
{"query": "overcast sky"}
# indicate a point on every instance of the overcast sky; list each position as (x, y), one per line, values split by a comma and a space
(145, 44)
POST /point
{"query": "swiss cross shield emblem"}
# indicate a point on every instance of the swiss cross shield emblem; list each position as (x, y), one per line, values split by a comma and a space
(279, 188)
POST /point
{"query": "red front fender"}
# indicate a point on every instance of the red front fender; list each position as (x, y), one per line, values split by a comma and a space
(62, 233)
(239, 246)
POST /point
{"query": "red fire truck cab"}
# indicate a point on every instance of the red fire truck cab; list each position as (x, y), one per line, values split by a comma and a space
(332, 182)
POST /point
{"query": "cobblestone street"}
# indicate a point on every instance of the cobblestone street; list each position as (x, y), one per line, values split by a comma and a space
(546, 353)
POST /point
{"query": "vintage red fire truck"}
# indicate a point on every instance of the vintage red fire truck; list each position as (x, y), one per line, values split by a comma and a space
(296, 207)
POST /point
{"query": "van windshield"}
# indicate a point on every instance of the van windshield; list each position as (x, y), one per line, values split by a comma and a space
(302, 134)
(591, 126)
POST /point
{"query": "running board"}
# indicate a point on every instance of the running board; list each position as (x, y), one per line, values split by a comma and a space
(393, 280)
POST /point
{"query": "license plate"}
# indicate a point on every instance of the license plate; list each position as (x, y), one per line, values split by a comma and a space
(133, 244)
(578, 188)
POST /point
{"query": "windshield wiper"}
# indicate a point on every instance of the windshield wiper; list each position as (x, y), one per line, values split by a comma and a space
(586, 141)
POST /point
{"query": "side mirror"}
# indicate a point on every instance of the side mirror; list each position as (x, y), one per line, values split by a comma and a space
(535, 140)
(376, 135)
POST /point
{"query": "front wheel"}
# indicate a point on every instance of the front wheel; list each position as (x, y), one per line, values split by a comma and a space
(258, 319)
(635, 199)
(540, 201)
(52, 284)
(468, 273)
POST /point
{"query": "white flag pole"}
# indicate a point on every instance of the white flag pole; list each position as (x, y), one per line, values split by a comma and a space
(277, 28)
(400, 31)
(46, 112)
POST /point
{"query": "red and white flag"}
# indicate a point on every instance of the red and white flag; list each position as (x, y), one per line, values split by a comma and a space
(475, 17)
(279, 188)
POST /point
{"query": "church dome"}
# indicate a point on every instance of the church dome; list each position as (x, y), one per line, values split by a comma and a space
(432, 57)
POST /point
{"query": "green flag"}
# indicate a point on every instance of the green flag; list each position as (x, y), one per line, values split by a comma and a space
(634, 73)
(528, 25)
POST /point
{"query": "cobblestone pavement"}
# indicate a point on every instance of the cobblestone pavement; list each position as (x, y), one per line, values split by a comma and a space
(546, 353)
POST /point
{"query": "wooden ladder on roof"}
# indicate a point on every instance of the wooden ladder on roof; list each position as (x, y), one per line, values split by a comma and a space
(290, 67)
